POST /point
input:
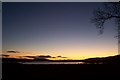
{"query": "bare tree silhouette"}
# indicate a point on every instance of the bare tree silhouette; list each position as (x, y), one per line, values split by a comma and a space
(110, 10)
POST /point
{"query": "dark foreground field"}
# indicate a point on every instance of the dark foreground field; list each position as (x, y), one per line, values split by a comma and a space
(61, 71)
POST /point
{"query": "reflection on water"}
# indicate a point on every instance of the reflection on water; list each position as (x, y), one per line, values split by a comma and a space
(53, 63)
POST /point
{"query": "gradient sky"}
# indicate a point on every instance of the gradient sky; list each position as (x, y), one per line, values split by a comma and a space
(56, 29)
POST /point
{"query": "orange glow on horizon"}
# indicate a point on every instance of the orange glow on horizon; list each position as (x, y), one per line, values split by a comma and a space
(72, 53)
(70, 56)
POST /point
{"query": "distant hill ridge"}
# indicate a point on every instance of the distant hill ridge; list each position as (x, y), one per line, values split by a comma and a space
(104, 60)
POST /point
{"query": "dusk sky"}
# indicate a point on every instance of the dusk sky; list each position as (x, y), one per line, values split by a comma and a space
(56, 29)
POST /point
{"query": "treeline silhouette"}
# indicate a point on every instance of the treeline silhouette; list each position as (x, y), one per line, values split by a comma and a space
(102, 60)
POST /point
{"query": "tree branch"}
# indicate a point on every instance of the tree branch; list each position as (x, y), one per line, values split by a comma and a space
(115, 16)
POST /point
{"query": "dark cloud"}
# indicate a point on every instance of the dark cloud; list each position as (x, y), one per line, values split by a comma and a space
(29, 56)
(43, 57)
(40, 57)
(12, 51)
(5, 55)
(61, 57)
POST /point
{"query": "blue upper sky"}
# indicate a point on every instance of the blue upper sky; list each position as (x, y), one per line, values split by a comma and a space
(56, 28)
